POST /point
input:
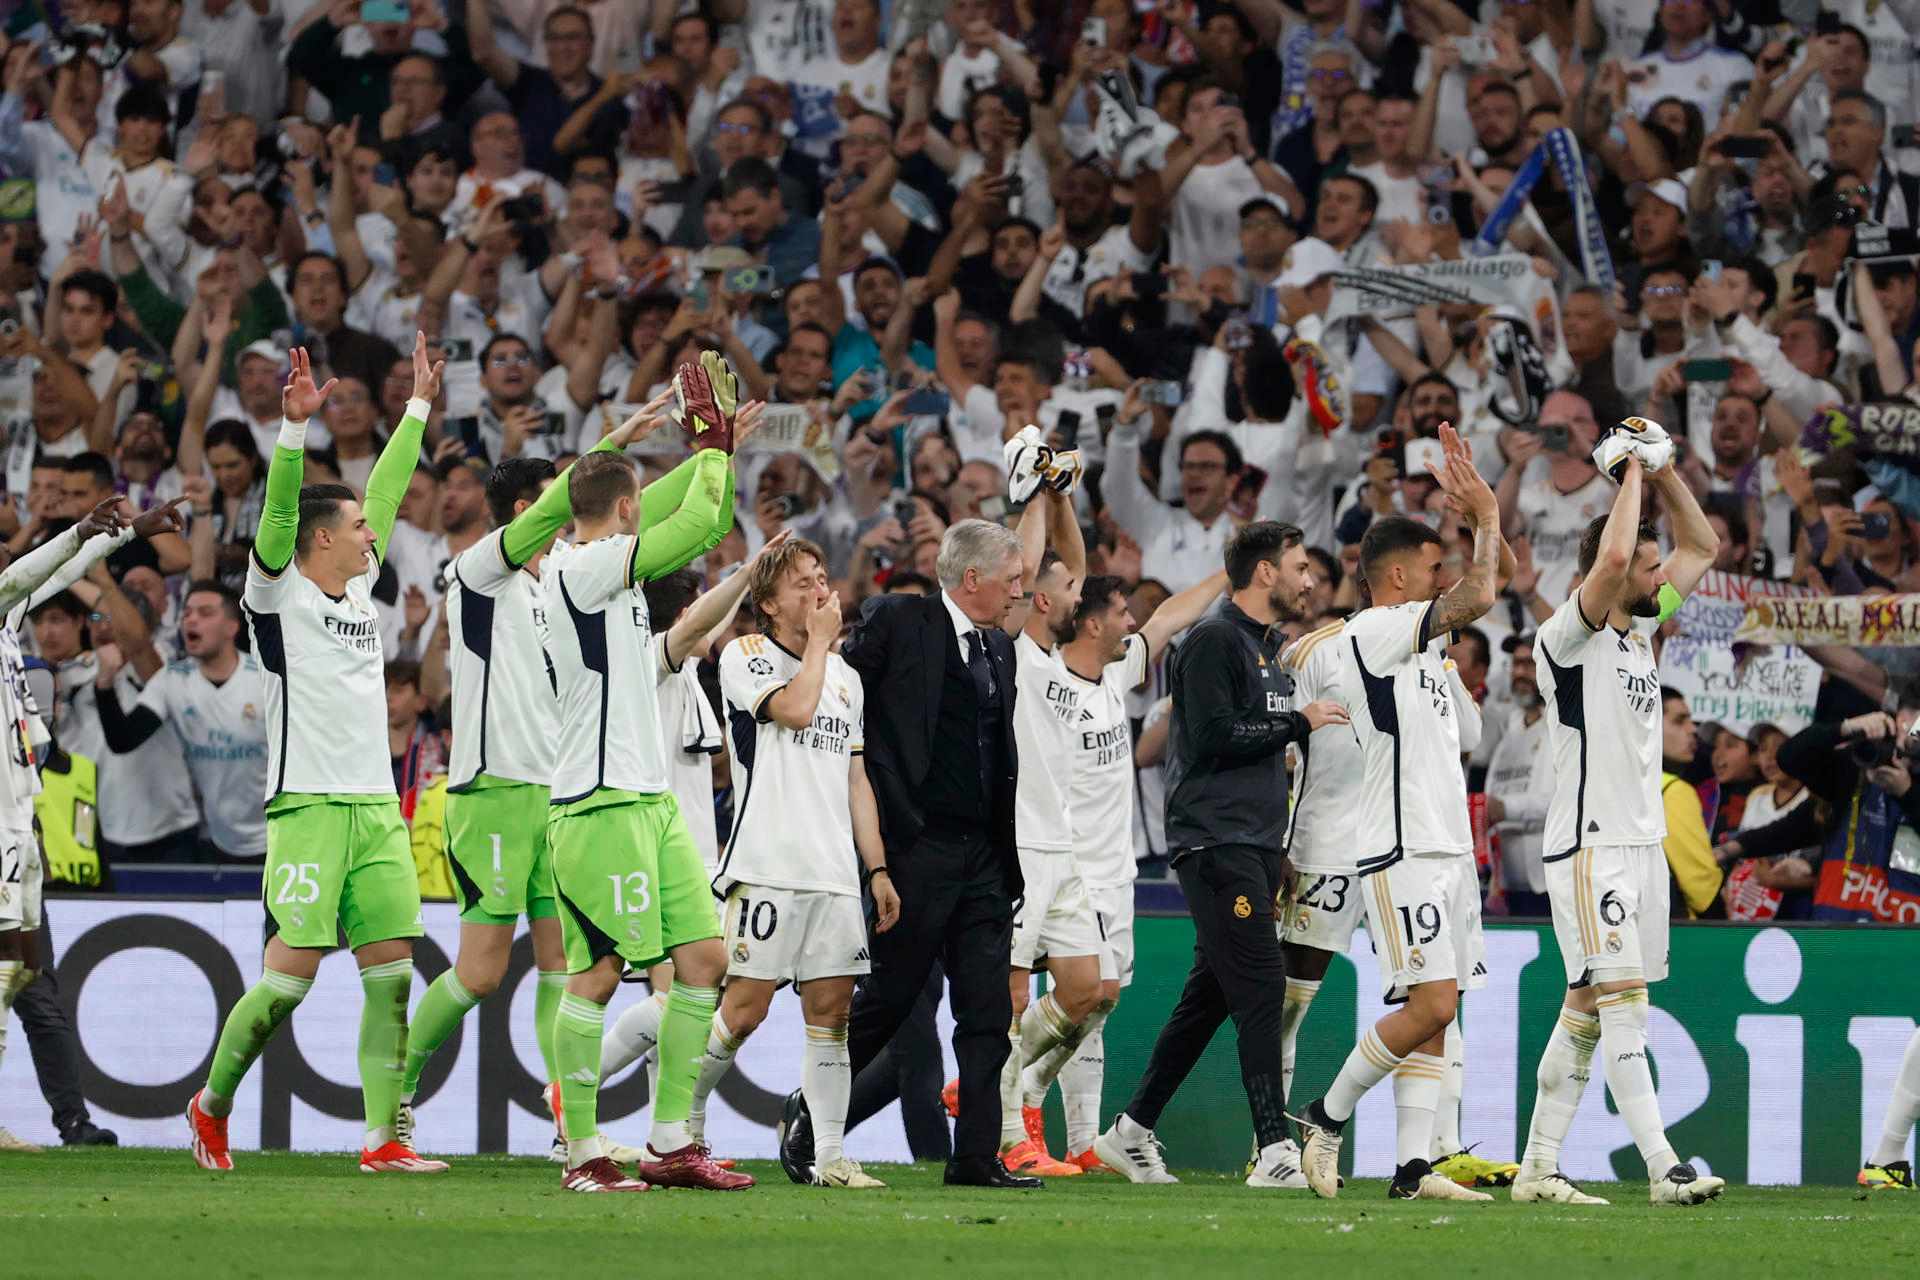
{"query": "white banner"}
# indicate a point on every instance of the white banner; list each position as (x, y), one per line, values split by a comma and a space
(1741, 685)
(150, 981)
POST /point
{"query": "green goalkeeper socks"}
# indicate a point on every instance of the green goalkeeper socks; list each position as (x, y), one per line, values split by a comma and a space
(255, 1017)
(576, 1050)
(683, 1045)
(440, 1011)
(546, 1003)
(383, 1045)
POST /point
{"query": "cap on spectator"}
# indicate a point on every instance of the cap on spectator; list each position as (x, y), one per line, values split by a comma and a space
(1667, 189)
(880, 261)
(1268, 200)
(265, 349)
(1306, 262)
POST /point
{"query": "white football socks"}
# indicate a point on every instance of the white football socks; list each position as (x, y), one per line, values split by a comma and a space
(1369, 1063)
(722, 1044)
(1446, 1111)
(1293, 1012)
(1565, 1067)
(1623, 1030)
(826, 1082)
(633, 1035)
(1081, 1081)
(10, 985)
(1903, 1108)
(1416, 1091)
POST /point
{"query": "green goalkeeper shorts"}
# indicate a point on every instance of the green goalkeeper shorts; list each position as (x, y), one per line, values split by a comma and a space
(497, 845)
(338, 862)
(629, 879)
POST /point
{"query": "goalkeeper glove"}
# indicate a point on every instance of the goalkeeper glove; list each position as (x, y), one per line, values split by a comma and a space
(1651, 442)
(1063, 471)
(709, 397)
(1027, 459)
(1611, 455)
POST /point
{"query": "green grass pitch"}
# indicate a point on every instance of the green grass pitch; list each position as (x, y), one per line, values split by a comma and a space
(146, 1214)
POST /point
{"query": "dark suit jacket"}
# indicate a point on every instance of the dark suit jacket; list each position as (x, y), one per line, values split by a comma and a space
(899, 647)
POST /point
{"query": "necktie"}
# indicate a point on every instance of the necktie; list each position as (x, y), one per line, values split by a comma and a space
(981, 668)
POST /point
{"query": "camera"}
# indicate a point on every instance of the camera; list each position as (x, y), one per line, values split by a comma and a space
(1870, 753)
(1554, 436)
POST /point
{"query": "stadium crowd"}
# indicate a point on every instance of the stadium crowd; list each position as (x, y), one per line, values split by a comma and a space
(1243, 258)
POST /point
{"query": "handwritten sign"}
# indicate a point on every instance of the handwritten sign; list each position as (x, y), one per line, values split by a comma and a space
(1737, 685)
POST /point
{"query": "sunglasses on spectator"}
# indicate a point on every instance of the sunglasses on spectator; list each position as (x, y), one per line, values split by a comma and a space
(509, 359)
(1665, 290)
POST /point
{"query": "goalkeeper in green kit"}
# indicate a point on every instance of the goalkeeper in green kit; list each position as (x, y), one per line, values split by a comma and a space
(630, 885)
(338, 857)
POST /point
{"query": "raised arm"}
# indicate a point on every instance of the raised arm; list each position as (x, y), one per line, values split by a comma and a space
(486, 51)
(1473, 595)
(279, 526)
(393, 470)
(1178, 612)
(1696, 544)
(1618, 540)
(714, 607)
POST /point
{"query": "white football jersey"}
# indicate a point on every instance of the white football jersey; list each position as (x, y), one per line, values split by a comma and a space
(1043, 726)
(19, 779)
(1327, 778)
(604, 667)
(690, 750)
(1603, 696)
(325, 680)
(1101, 796)
(1414, 793)
(505, 718)
(223, 730)
(792, 821)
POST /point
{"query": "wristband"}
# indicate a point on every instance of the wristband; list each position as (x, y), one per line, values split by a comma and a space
(418, 408)
(293, 435)
(868, 873)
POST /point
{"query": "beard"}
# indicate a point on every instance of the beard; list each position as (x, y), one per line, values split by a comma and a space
(1527, 694)
(1645, 606)
(1286, 607)
(1061, 629)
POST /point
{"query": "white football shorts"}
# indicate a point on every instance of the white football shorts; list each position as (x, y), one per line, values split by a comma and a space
(21, 877)
(1056, 917)
(1324, 912)
(793, 935)
(1610, 905)
(1113, 912)
(1423, 916)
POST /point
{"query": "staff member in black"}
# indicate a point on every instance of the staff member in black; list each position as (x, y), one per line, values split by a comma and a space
(939, 678)
(1226, 812)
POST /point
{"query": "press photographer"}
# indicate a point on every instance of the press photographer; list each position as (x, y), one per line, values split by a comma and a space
(1865, 821)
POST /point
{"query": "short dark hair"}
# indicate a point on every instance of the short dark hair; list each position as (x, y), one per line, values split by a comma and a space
(229, 598)
(568, 11)
(319, 505)
(1392, 536)
(1432, 377)
(1759, 276)
(907, 580)
(1253, 543)
(237, 436)
(750, 173)
(339, 271)
(486, 352)
(747, 104)
(92, 464)
(1369, 194)
(1733, 511)
(515, 480)
(60, 602)
(1095, 594)
(668, 597)
(401, 671)
(1219, 440)
(95, 284)
(1670, 694)
(144, 100)
(1590, 541)
(1483, 651)
(599, 480)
